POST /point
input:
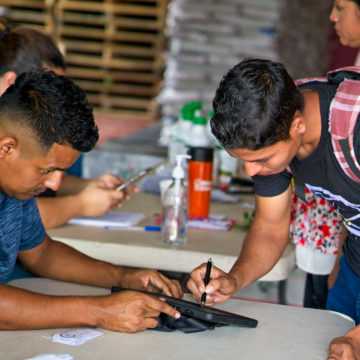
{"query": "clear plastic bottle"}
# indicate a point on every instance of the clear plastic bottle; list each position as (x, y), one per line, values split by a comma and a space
(175, 207)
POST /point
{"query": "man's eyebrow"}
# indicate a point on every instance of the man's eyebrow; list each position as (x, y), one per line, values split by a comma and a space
(55, 169)
(259, 160)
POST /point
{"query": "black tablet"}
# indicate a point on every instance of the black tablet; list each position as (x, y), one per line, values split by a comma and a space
(205, 313)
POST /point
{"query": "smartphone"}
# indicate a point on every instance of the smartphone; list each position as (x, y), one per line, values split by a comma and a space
(134, 178)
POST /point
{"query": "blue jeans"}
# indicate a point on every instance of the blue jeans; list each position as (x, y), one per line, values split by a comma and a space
(344, 296)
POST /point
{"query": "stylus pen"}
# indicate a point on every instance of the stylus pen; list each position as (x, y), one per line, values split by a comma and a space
(206, 281)
(134, 178)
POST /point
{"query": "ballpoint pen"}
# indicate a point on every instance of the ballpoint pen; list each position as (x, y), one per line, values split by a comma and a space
(206, 281)
(134, 228)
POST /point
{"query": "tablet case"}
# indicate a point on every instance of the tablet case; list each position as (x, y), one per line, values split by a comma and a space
(195, 318)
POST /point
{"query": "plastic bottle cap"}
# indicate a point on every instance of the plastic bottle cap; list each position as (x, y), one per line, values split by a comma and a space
(178, 172)
(200, 120)
(186, 113)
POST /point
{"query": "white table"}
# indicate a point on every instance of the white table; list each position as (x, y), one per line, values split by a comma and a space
(144, 249)
(283, 332)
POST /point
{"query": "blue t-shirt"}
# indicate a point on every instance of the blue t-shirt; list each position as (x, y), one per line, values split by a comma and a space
(20, 229)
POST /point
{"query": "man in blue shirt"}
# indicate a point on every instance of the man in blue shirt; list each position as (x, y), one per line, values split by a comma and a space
(45, 124)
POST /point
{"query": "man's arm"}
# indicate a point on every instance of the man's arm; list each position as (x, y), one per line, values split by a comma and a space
(127, 311)
(59, 261)
(81, 197)
(263, 245)
(92, 201)
(266, 240)
(71, 185)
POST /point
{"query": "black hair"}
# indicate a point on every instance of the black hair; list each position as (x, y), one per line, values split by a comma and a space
(53, 108)
(25, 49)
(254, 105)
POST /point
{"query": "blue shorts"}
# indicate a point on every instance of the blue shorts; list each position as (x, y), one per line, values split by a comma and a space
(344, 296)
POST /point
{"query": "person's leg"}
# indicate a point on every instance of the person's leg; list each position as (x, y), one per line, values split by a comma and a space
(308, 292)
(320, 290)
(342, 297)
(316, 290)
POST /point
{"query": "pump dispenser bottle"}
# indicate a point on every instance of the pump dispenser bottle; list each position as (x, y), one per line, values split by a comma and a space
(175, 207)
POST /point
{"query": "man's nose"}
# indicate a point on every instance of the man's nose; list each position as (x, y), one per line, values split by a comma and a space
(53, 180)
(333, 15)
(251, 168)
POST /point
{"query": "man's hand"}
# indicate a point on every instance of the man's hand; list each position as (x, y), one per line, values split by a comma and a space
(99, 195)
(96, 199)
(107, 181)
(344, 348)
(131, 311)
(219, 289)
(150, 280)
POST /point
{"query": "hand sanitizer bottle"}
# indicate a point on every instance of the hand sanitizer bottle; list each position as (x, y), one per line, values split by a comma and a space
(175, 207)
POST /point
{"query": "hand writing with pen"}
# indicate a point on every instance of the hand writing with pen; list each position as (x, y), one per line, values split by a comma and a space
(220, 287)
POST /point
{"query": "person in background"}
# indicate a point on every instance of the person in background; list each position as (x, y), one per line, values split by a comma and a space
(23, 49)
(315, 225)
(274, 126)
(316, 231)
(345, 15)
(45, 124)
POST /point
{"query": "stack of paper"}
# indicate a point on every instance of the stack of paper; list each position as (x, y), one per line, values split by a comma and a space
(211, 224)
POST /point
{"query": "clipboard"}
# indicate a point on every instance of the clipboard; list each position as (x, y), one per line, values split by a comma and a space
(207, 315)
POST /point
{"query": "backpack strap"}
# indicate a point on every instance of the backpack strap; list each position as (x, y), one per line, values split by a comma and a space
(343, 116)
(344, 113)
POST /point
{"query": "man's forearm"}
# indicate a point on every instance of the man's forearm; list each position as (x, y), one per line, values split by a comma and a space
(71, 185)
(57, 211)
(59, 261)
(258, 256)
(20, 309)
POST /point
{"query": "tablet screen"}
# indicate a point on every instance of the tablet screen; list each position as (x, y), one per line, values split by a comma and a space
(206, 313)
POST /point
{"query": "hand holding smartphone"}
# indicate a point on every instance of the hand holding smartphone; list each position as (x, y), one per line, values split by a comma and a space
(134, 178)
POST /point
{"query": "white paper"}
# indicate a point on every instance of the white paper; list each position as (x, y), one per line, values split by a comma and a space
(52, 357)
(75, 337)
(110, 219)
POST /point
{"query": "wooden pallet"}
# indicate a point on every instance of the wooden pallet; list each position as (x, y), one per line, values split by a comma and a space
(35, 13)
(113, 50)
(112, 47)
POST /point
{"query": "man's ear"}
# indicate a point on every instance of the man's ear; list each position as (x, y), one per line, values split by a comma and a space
(298, 123)
(7, 146)
(7, 80)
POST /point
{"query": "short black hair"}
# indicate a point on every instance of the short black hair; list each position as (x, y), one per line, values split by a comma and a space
(254, 105)
(53, 108)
